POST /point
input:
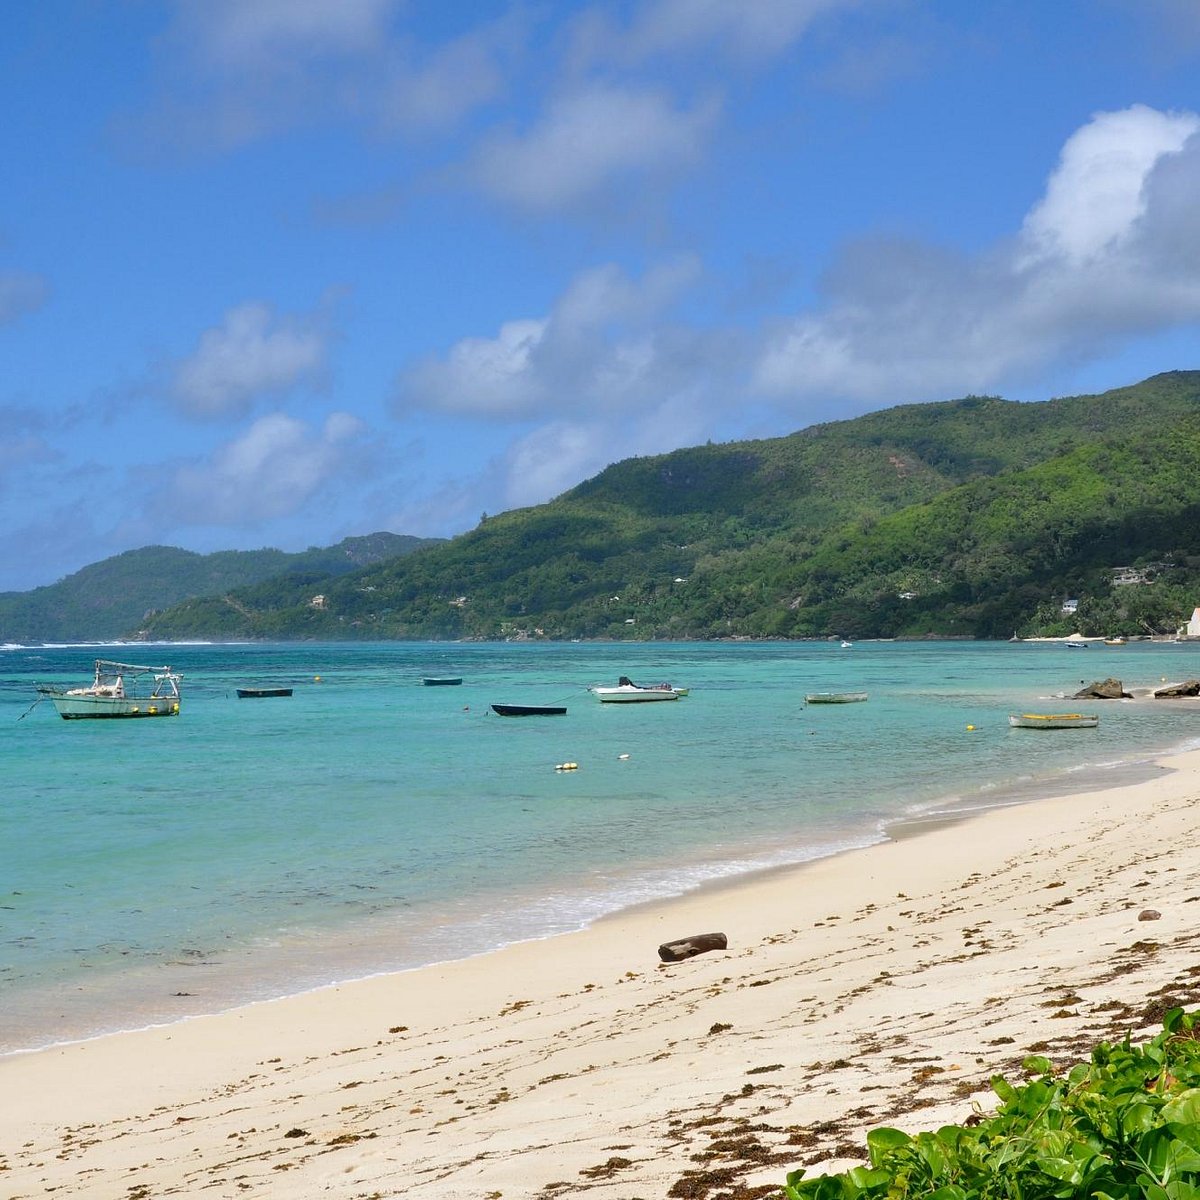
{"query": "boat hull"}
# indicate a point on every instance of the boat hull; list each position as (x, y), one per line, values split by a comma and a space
(1053, 720)
(528, 710)
(635, 695)
(261, 693)
(81, 708)
(442, 681)
(835, 697)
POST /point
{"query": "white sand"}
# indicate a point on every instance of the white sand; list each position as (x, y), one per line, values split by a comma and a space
(883, 986)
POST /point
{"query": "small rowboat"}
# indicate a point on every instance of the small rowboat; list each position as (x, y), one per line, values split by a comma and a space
(260, 693)
(1053, 720)
(528, 710)
(835, 697)
(442, 680)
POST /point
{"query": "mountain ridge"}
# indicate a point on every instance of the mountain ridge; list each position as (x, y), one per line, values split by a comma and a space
(960, 518)
(973, 517)
(111, 598)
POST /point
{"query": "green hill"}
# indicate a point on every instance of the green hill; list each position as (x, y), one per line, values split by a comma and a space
(972, 517)
(114, 597)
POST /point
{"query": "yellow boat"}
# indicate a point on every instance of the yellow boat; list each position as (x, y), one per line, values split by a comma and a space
(1053, 720)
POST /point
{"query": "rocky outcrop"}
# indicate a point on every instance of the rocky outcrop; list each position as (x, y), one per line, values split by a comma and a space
(1175, 691)
(1102, 689)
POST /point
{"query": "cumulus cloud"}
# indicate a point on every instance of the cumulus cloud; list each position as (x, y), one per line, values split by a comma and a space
(1110, 251)
(1098, 192)
(606, 346)
(20, 293)
(271, 471)
(251, 355)
(589, 139)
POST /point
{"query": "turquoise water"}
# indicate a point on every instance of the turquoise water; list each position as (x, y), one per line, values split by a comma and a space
(155, 869)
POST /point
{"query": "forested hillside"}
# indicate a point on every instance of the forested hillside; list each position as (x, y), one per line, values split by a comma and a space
(973, 518)
(112, 598)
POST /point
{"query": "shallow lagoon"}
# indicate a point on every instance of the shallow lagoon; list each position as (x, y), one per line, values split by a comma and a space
(249, 848)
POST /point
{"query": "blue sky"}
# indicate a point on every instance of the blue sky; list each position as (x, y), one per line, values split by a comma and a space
(275, 272)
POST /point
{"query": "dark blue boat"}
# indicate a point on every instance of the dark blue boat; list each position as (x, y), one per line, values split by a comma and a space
(528, 710)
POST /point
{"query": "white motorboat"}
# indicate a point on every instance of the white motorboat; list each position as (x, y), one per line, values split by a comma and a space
(628, 692)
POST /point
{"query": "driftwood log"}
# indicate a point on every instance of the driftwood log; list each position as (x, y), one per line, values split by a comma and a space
(688, 947)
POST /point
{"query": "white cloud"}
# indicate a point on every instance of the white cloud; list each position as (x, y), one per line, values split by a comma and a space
(1111, 251)
(21, 293)
(271, 471)
(604, 347)
(249, 356)
(1097, 193)
(588, 140)
(484, 375)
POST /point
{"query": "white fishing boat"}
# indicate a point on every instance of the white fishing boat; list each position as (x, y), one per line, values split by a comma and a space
(628, 692)
(835, 697)
(1053, 720)
(119, 690)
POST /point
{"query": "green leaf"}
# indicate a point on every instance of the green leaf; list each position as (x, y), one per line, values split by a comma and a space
(884, 1141)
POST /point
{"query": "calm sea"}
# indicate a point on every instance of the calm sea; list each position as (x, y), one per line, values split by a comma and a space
(155, 869)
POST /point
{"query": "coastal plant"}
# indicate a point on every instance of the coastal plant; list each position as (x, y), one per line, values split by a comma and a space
(1124, 1125)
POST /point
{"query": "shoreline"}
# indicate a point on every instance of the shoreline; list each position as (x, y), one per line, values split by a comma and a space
(879, 986)
(714, 879)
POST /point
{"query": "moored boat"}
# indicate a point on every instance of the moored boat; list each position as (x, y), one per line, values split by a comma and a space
(628, 692)
(834, 697)
(1053, 720)
(442, 680)
(253, 693)
(119, 690)
(528, 710)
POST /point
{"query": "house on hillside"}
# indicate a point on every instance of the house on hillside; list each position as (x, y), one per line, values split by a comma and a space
(1070, 606)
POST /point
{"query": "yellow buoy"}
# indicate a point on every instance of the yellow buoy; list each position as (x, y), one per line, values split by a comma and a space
(970, 726)
(316, 679)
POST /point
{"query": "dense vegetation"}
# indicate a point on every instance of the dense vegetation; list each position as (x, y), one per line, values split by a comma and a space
(1124, 1126)
(111, 598)
(970, 518)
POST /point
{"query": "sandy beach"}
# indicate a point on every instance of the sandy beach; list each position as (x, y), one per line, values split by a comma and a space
(883, 986)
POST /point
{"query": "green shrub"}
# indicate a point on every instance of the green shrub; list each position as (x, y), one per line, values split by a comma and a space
(1124, 1125)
